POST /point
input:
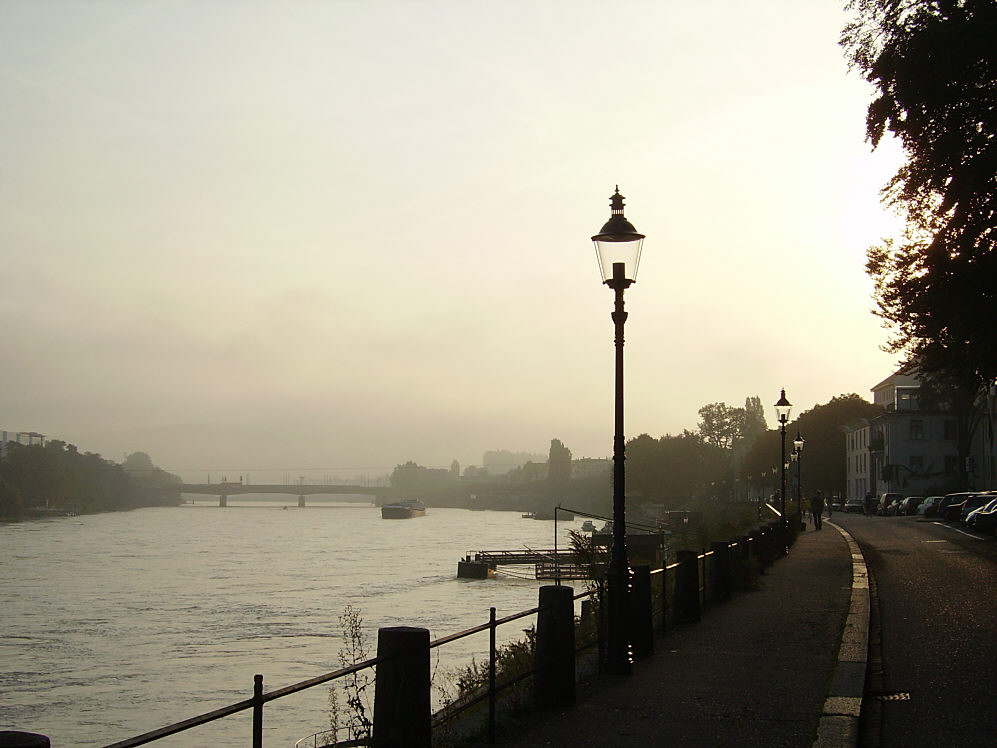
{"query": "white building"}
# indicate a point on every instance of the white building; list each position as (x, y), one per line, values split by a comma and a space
(909, 449)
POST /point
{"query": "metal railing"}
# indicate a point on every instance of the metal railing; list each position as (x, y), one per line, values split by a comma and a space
(662, 611)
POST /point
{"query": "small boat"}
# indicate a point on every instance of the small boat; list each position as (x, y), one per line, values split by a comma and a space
(404, 509)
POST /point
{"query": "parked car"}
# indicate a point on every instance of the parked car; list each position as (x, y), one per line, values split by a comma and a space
(885, 500)
(837, 505)
(909, 505)
(928, 502)
(951, 505)
(932, 509)
(984, 519)
(979, 501)
(855, 505)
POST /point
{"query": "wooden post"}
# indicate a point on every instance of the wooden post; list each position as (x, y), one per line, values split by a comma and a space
(641, 614)
(401, 688)
(258, 711)
(555, 677)
(721, 572)
(687, 609)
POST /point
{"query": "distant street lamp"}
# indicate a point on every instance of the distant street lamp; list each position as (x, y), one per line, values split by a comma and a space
(798, 458)
(617, 248)
(782, 409)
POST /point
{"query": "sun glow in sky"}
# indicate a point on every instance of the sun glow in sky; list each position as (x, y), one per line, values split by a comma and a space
(324, 235)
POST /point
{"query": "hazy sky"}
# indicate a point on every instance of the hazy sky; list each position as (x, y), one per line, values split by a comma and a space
(342, 235)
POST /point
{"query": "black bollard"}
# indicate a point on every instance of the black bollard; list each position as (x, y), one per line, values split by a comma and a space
(641, 615)
(721, 572)
(554, 682)
(401, 689)
(14, 739)
(687, 607)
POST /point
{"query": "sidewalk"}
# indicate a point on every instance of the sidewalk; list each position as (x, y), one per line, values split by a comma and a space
(762, 669)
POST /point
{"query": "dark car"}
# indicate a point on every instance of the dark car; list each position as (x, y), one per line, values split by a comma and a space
(931, 501)
(973, 502)
(932, 509)
(855, 505)
(885, 500)
(984, 519)
(909, 505)
(951, 505)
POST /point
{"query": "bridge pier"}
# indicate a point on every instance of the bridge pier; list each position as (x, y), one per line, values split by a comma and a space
(301, 500)
(223, 501)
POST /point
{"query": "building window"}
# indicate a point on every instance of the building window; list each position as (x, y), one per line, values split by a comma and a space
(916, 429)
(917, 464)
(950, 430)
(906, 398)
(951, 465)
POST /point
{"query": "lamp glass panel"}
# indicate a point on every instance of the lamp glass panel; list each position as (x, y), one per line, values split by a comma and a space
(609, 252)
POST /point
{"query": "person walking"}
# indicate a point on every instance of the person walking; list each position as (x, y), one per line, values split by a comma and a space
(817, 509)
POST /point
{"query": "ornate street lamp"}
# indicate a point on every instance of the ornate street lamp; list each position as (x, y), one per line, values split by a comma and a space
(798, 459)
(617, 247)
(782, 409)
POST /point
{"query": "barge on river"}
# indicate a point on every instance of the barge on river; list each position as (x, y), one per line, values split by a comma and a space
(404, 509)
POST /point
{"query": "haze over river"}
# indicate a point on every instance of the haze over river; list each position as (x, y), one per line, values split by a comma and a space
(115, 624)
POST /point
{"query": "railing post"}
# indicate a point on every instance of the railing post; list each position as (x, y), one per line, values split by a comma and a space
(641, 614)
(664, 595)
(721, 576)
(258, 711)
(687, 587)
(755, 548)
(703, 581)
(401, 688)
(492, 656)
(555, 674)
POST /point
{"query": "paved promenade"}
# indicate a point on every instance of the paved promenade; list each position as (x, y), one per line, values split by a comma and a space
(780, 666)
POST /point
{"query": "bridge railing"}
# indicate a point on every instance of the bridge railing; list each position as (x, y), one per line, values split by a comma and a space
(675, 594)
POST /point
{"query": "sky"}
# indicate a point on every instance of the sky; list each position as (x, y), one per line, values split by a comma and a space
(326, 238)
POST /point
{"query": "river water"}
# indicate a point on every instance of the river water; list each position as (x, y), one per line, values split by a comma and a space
(115, 624)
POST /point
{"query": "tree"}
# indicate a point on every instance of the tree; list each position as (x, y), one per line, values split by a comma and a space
(823, 463)
(933, 65)
(721, 425)
(754, 419)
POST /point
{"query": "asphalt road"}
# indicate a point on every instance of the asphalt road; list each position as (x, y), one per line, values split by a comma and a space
(933, 640)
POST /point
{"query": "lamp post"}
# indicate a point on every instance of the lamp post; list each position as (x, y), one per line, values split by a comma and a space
(617, 248)
(798, 458)
(782, 411)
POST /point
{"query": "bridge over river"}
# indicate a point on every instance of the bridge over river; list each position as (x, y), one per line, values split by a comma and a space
(224, 490)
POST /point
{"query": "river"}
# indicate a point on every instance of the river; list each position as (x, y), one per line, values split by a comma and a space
(115, 624)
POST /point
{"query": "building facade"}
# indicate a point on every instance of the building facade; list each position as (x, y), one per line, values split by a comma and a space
(911, 449)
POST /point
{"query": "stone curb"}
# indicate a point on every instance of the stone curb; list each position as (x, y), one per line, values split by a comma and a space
(839, 721)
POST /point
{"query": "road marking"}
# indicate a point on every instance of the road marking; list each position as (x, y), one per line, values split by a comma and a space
(956, 529)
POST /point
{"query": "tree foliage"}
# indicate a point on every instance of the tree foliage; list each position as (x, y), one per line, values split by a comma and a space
(823, 463)
(58, 476)
(721, 425)
(673, 469)
(932, 63)
(418, 481)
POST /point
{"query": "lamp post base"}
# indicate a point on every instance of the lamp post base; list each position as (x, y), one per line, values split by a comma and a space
(618, 659)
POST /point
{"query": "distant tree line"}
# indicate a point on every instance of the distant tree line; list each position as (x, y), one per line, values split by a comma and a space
(57, 477)
(732, 454)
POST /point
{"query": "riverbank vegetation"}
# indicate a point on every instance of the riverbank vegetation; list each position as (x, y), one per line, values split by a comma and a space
(57, 479)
